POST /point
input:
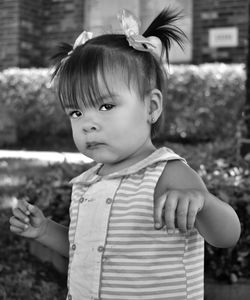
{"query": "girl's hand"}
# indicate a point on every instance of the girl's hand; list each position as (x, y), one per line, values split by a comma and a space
(28, 220)
(178, 209)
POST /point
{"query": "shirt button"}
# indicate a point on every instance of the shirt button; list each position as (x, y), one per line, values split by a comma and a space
(109, 200)
(100, 249)
(73, 247)
(69, 297)
(81, 200)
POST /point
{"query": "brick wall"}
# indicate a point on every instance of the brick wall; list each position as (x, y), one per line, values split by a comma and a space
(30, 29)
(30, 33)
(9, 30)
(63, 21)
(209, 14)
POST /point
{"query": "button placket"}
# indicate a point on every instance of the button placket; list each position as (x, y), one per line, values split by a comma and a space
(100, 249)
(109, 200)
(81, 200)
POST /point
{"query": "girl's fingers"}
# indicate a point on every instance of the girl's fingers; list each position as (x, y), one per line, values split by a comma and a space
(23, 206)
(33, 210)
(181, 214)
(191, 217)
(17, 225)
(19, 214)
(158, 208)
(170, 209)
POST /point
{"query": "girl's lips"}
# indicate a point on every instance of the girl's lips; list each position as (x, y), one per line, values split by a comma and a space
(93, 145)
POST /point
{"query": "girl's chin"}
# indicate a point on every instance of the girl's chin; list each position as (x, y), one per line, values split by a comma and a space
(101, 156)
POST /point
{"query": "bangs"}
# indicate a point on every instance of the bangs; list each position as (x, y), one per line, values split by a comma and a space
(87, 74)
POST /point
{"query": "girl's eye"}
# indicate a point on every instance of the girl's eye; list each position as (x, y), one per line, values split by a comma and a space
(105, 107)
(75, 114)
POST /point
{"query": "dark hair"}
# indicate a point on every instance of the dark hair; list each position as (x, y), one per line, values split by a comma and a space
(76, 74)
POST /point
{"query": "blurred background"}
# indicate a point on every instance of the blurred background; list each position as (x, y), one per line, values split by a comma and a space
(208, 122)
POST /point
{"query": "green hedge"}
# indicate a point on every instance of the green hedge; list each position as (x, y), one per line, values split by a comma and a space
(204, 103)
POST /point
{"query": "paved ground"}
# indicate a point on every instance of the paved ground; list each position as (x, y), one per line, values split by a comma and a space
(11, 177)
(45, 156)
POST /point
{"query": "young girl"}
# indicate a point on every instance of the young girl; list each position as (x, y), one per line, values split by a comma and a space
(139, 216)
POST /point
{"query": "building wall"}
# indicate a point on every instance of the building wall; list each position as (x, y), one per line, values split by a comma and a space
(63, 21)
(30, 33)
(9, 33)
(30, 29)
(101, 18)
(219, 14)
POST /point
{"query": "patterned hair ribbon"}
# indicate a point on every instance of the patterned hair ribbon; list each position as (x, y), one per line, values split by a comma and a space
(130, 25)
(81, 40)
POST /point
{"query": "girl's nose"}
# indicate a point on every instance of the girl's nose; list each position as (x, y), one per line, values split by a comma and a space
(90, 123)
(87, 128)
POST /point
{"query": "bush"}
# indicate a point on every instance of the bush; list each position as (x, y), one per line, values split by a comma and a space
(40, 120)
(203, 103)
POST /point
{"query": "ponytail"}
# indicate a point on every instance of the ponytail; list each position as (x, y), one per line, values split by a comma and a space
(163, 28)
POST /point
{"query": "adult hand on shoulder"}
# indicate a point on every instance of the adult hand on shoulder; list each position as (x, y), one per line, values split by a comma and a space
(28, 220)
(178, 209)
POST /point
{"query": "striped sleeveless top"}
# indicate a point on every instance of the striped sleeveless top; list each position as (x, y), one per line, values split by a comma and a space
(115, 251)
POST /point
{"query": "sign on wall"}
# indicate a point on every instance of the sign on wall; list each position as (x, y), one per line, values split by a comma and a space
(223, 37)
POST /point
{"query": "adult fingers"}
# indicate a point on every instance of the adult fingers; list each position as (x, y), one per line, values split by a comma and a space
(170, 209)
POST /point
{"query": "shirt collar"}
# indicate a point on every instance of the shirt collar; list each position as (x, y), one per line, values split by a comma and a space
(91, 175)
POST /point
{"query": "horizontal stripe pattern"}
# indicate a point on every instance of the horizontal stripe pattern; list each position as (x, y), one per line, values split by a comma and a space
(138, 261)
(141, 262)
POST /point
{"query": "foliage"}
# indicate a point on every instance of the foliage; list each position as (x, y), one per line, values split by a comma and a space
(52, 192)
(200, 99)
(28, 97)
(225, 174)
(23, 276)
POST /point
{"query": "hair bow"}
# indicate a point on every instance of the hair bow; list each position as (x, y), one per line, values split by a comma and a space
(130, 25)
(81, 40)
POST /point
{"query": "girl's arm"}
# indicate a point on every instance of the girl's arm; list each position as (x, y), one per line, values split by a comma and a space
(55, 237)
(187, 203)
(218, 223)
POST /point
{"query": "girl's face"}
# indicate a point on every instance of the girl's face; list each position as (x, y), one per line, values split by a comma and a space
(117, 132)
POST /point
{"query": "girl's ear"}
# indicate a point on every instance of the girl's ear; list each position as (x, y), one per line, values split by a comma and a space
(154, 106)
